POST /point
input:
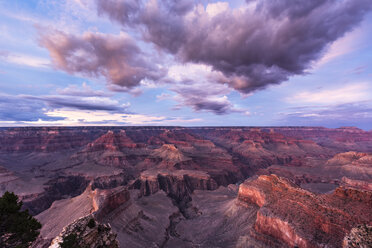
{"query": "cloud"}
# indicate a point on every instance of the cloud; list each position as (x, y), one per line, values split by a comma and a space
(357, 70)
(214, 9)
(195, 86)
(340, 47)
(65, 117)
(24, 59)
(117, 58)
(214, 104)
(28, 108)
(14, 108)
(209, 50)
(4, 54)
(85, 90)
(351, 114)
(343, 94)
(260, 44)
(123, 11)
(62, 110)
(81, 103)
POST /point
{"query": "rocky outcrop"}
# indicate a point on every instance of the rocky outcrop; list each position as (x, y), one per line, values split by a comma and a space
(357, 183)
(106, 201)
(111, 141)
(355, 158)
(87, 232)
(112, 181)
(359, 237)
(180, 137)
(353, 195)
(296, 217)
(169, 153)
(177, 184)
(279, 229)
(99, 202)
(110, 149)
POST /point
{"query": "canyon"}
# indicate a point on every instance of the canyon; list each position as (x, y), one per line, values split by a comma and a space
(195, 186)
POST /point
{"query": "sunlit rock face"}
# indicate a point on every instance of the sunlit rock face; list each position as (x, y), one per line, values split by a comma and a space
(297, 217)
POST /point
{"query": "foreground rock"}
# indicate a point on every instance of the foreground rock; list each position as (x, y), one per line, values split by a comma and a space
(87, 232)
(289, 215)
(360, 236)
(64, 212)
(265, 211)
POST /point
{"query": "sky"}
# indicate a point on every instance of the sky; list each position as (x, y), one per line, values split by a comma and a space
(186, 63)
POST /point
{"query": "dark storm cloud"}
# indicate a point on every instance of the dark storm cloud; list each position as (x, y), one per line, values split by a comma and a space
(254, 47)
(117, 58)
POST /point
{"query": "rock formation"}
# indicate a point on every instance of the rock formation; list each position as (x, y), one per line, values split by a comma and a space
(170, 155)
(178, 187)
(99, 202)
(87, 232)
(296, 217)
(359, 237)
(177, 183)
(106, 201)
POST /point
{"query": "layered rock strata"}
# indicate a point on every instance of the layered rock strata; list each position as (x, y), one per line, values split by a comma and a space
(296, 217)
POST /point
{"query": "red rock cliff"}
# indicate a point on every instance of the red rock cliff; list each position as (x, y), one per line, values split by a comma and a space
(296, 217)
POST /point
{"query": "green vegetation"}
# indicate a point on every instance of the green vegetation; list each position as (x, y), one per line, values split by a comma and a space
(18, 229)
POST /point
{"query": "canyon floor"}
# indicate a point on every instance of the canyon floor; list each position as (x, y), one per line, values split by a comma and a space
(194, 187)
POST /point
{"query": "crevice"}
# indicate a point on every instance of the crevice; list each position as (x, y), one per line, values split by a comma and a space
(171, 232)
